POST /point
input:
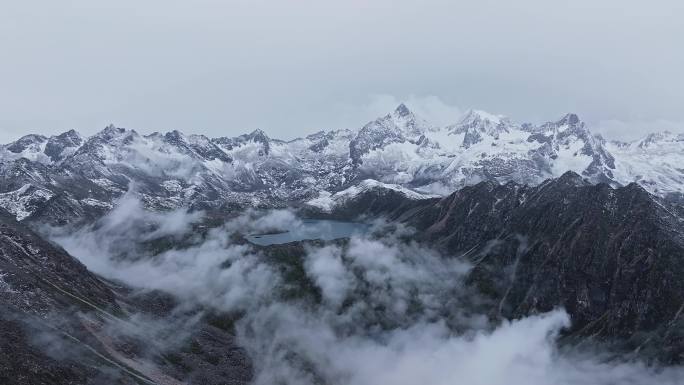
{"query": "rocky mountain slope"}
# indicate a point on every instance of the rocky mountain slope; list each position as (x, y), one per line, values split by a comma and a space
(612, 257)
(61, 324)
(67, 178)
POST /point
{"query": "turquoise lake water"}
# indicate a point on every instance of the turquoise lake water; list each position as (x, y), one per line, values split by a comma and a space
(323, 229)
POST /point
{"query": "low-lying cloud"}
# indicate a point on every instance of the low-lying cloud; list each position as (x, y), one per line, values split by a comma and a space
(375, 309)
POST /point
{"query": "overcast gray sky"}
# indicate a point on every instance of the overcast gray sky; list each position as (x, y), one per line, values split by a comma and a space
(292, 67)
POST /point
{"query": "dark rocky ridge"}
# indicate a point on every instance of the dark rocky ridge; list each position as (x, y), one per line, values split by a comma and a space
(613, 258)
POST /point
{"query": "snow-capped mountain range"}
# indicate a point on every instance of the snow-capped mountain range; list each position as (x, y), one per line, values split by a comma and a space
(72, 177)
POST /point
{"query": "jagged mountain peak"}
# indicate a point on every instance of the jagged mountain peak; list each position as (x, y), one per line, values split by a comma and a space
(258, 134)
(70, 135)
(474, 115)
(31, 138)
(112, 132)
(174, 136)
(399, 126)
(42, 149)
(25, 142)
(402, 110)
(570, 122)
(476, 123)
(482, 121)
(403, 120)
(569, 119)
(111, 128)
(60, 146)
(200, 146)
(175, 133)
(104, 146)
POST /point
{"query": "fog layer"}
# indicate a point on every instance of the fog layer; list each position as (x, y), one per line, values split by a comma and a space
(376, 309)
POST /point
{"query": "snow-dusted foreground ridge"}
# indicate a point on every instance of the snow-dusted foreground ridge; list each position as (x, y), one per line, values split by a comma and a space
(70, 176)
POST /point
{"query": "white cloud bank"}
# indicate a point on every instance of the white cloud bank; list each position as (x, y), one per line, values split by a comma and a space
(391, 312)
